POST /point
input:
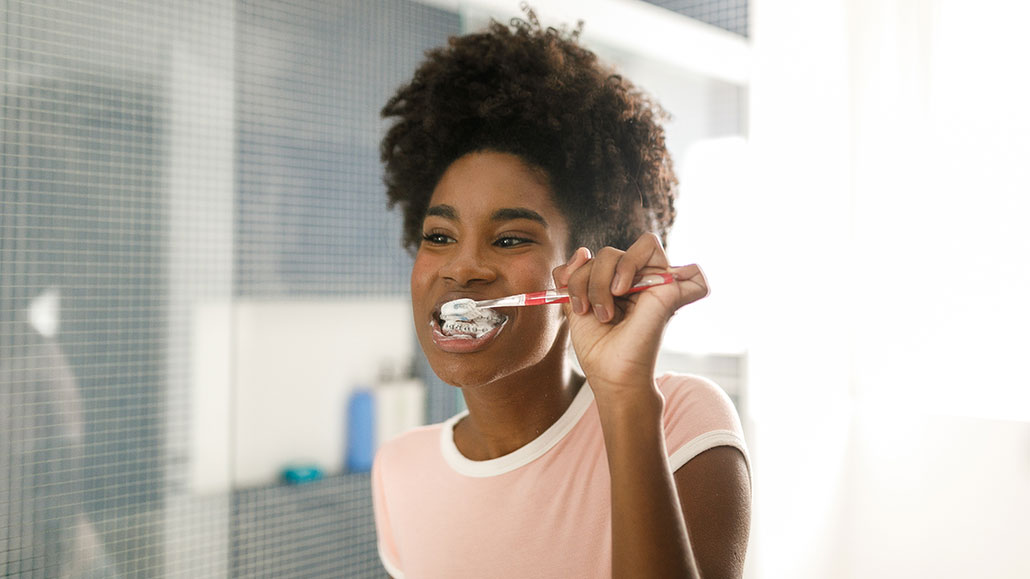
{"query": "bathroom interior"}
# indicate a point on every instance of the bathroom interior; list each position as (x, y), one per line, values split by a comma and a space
(205, 326)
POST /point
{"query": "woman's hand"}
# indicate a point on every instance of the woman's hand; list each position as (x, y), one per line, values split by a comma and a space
(617, 334)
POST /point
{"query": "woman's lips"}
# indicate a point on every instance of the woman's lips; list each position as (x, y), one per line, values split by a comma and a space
(462, 343)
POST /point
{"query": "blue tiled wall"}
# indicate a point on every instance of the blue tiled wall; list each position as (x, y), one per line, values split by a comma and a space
(731, 15)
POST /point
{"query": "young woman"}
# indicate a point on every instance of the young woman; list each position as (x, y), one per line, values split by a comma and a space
(521, 164)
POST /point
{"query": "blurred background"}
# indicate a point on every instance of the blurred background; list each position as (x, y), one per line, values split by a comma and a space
(204, 319)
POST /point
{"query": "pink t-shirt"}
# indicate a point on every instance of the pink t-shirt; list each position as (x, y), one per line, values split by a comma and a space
(541, 511)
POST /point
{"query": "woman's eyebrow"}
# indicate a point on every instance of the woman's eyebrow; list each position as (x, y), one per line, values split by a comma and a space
(443, 210)
(504, 214)
(510, 213)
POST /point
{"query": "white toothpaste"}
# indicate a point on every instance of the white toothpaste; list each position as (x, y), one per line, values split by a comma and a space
(461, 318)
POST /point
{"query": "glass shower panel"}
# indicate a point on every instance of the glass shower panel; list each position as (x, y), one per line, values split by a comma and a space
(115, 117)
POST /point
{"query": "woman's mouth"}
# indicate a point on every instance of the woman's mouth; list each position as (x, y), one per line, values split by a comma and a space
(461, 317)
(466, 330)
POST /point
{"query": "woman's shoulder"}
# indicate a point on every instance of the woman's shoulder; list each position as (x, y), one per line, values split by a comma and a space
(697, 404)
(698, 415)
(693, 389)
(408, 446)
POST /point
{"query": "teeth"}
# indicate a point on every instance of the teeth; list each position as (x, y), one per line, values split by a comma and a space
(459, 327)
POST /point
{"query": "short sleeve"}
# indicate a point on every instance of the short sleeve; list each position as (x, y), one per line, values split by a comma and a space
(384, 532)
(698, 416)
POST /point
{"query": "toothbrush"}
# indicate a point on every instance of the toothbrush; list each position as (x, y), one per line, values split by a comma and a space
(551, 296)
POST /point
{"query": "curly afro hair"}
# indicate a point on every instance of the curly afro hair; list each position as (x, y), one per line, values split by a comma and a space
(535, 93)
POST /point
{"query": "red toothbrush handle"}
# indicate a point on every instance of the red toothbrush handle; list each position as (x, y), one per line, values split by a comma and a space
(559, 296)
(546, 297)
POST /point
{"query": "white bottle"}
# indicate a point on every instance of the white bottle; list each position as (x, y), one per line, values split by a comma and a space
(400, 403)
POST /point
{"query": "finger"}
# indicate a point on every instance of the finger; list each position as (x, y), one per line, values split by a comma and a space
(577, 288)
(692, 283)
(599, 287)
(645, 252)
(564, 274)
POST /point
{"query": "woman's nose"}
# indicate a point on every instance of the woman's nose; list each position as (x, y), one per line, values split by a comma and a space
(468, 266)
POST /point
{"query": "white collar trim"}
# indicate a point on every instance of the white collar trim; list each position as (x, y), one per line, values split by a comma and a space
(520, 457)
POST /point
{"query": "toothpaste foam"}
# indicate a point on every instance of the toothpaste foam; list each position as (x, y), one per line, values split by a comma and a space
(461, 318)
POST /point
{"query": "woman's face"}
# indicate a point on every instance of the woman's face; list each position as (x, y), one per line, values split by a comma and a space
(492, 229)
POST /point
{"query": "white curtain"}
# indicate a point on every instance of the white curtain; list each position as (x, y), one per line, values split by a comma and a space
(941, 134)
(889, 276)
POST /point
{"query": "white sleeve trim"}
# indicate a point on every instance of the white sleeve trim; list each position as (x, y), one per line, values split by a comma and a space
(388, 564)
(708, 440)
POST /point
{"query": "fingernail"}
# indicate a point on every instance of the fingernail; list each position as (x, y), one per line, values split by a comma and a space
(601, 313)
(615, 283)
(577, 305)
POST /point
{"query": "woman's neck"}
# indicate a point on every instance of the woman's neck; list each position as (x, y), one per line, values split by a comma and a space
(510, 413)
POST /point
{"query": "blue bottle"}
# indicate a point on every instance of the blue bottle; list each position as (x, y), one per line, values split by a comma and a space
(361, 430)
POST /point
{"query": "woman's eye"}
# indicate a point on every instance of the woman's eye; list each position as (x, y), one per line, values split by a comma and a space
(511, 241)
(437, 238)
